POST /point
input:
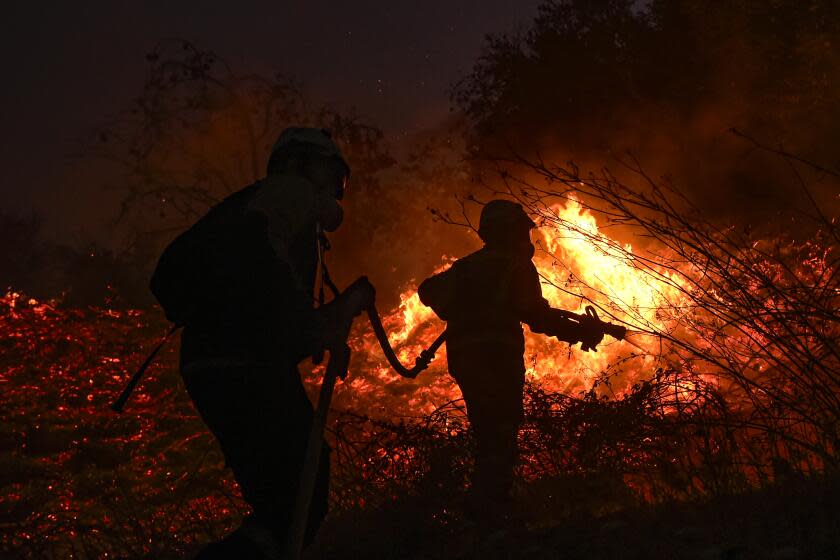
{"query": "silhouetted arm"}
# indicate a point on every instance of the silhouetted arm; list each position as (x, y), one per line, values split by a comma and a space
(284, 209)
(438, 293)
(554, 322)
(535, 311)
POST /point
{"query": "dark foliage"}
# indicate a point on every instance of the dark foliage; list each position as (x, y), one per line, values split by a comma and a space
(24, 253)
(756, 316)
(75, 274)
(202, 129)
(151, 482)
(665, 80)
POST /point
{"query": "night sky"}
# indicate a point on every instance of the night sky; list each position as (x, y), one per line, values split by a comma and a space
(69, 66)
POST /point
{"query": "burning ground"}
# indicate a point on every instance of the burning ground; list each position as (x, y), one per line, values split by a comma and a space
(605, 434)
(711, 432)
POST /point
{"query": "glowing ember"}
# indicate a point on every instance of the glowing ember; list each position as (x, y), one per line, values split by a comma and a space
(72, 463)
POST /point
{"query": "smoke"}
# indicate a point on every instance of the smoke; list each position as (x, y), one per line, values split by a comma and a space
(661, 87)
(607, 85)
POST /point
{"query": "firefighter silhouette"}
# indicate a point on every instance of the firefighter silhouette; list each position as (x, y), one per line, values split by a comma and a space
(484, 297)
(241, 282)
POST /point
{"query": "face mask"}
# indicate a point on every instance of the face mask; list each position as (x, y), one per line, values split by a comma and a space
(331, 214)
(329, 174)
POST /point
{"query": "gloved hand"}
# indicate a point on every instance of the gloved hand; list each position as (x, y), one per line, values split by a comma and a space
(339, 313)
(591, 338)
(358, 296)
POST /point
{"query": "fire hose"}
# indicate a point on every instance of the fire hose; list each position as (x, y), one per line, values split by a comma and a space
(337, 368)
(421, 363)
(423, 360)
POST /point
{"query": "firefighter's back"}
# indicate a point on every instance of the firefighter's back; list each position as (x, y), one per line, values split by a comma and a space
(475, 298)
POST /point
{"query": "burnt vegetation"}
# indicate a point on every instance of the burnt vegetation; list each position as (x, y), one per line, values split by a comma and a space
(727, 443)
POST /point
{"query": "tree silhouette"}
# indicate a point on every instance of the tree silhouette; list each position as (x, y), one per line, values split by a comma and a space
(665, 81)
(201, 129)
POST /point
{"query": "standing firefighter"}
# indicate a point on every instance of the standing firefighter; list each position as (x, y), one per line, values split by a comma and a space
(484, 297)
(241, 282)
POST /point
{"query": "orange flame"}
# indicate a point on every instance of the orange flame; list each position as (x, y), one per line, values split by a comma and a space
(578, 263)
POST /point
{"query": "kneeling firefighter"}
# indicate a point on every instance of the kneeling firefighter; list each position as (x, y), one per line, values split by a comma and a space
(484, 297)
(241, 282)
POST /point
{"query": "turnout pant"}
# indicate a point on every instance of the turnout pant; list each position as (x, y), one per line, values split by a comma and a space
(491, 379)
(261, 417)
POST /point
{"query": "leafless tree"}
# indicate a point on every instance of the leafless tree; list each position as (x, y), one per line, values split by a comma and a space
(201, 129)
(755, 314)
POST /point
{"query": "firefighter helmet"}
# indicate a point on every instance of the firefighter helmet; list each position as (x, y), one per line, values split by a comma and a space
(318, 140)
(501, 219)
(302, 144)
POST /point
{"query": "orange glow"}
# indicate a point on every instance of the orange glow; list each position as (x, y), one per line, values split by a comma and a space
(576, 261)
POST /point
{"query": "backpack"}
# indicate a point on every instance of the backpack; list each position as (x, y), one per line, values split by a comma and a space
(188, 271)
(175, 276)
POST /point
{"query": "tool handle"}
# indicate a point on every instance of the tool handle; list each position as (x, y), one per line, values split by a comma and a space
(337, 367)
(119, 404)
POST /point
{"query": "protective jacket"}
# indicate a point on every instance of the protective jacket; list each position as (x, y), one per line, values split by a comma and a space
(485, 296)
(241, 279)
(241, 282)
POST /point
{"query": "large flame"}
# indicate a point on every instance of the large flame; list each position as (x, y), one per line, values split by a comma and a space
(146, 472)
(579, 265)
